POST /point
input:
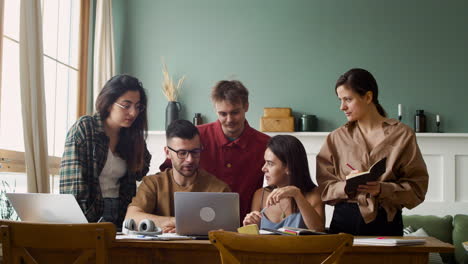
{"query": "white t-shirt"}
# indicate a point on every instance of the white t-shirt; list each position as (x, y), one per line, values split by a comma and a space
(114, 169)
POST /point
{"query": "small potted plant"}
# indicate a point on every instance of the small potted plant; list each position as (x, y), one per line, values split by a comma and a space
(6, 210)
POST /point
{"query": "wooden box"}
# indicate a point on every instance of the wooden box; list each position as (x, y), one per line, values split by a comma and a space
(277, 124)
(276, 112)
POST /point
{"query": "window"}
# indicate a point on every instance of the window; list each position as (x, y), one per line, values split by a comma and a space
(61, 24)
(11, 126)
(60, 37)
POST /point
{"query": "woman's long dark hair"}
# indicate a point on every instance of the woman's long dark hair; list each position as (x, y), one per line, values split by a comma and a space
(290, 151)
(361, 82)
(131, 145)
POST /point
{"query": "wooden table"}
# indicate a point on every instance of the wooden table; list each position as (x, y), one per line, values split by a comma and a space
(400, 255)
(201, 251)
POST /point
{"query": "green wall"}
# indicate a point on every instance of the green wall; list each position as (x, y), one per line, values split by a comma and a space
(290, 53)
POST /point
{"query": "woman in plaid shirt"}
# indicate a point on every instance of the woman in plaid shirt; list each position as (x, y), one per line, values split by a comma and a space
(105, 154)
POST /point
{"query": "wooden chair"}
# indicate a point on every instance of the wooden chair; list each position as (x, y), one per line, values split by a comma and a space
(27, 242)
(243, 248)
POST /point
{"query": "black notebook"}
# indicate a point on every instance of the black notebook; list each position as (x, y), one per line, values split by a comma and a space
(373, 174)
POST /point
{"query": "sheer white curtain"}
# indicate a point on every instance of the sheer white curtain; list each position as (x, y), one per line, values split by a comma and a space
(2, 6)
(32, 96)
(104, 60)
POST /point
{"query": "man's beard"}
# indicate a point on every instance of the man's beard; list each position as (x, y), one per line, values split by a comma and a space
(185, 173)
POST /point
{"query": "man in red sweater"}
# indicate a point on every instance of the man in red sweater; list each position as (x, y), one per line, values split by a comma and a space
(233, 151)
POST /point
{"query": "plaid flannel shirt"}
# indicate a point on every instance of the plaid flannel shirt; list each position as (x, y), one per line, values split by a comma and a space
(84, 157)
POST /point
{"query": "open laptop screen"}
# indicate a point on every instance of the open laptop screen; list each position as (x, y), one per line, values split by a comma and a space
(197, 213)
(47, 208)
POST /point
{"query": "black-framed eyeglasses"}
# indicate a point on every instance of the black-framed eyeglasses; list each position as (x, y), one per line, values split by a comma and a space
(183, 153)
(138, 107)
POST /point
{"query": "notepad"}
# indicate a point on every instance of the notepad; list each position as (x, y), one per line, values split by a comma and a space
(295, 231)
(384, 241)
(373, 174)
(249, 229)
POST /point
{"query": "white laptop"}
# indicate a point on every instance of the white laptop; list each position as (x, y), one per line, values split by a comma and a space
(197, 213)
(47, 208)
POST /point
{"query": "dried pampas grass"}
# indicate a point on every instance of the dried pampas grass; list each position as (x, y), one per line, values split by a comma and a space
(170, 91)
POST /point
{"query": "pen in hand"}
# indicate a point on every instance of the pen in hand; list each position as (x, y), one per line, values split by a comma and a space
(351, 167)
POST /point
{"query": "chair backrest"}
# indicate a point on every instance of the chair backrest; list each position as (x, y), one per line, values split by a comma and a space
(27, 242)
(245, 248)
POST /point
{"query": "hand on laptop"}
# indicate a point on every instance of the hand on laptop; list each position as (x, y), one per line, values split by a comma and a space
(169, 226)
(253, 217)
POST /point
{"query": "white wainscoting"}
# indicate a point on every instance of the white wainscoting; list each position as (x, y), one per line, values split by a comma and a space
(445, 154)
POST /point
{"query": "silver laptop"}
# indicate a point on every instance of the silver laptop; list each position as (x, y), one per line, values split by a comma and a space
(197, 213)
(47, 208)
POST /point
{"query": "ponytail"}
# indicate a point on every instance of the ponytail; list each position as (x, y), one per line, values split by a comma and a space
(380, 109)
(361, 82)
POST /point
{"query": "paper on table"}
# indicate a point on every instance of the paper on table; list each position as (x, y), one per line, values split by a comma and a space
(137, 237)
(265, 232)
(384, 241)
(173, 236)
(163, 237)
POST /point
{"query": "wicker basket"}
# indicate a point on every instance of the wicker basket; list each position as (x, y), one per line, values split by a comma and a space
(277, 124)
(276, 112)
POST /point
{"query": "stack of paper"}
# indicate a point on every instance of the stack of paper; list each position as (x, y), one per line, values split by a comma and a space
(295, 231)
(266, 232)
(384, 241)
(289, 231)
(163, 237)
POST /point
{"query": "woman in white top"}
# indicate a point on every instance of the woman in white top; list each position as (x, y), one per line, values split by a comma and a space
(105, 154)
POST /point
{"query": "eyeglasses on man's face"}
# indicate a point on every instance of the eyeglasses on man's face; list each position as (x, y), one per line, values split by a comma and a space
(183, 153)
(126, 106)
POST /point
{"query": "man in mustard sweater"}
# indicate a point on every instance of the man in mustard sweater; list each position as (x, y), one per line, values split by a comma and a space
(155, 195)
